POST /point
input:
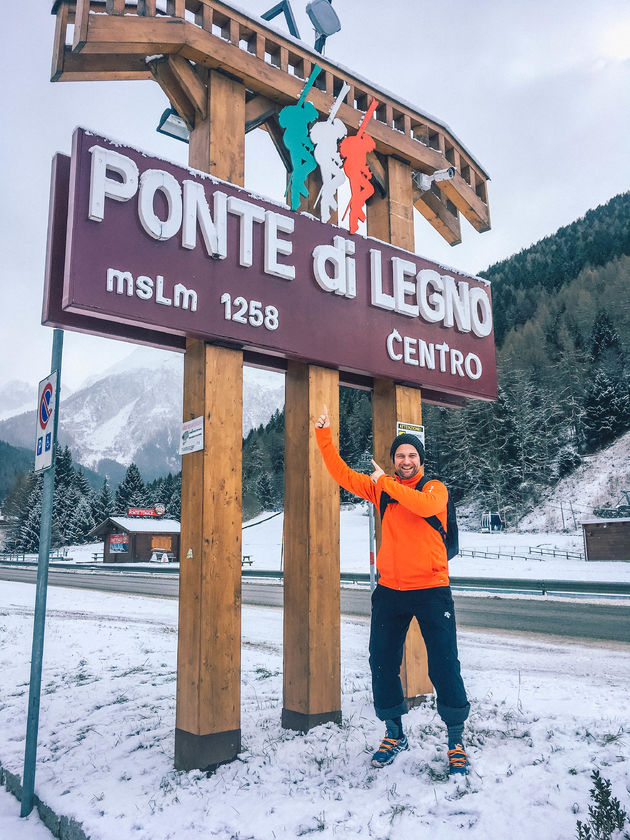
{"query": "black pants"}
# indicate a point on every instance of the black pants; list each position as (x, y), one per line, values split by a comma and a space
(392, 612)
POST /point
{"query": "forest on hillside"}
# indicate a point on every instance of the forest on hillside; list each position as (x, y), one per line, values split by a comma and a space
(77, 508)
(562, 327)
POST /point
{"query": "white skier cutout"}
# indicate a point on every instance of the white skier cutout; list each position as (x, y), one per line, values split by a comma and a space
(325, 136)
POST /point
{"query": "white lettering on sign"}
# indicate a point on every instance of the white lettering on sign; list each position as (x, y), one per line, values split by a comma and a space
(153, 181)
(274, 246)
(213, 229)
(343, 279)
(251, 312)
(170, 206)
(248, 213)
(419, 353)
(186, 209)
(145, 288)
(102, 187)
(431, 296)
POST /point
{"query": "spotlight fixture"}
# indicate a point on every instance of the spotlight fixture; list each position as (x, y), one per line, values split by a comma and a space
(324, 19)
(173, 125)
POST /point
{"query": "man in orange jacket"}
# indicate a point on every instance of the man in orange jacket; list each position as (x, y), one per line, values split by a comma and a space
(413, 581)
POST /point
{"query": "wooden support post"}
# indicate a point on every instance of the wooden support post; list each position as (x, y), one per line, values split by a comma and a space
(390, 218)
(209, 645)
(312, 660)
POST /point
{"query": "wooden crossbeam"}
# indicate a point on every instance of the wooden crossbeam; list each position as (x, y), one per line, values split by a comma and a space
(258, 110)
(191, 84)
(74, 67)
(162, 71)
(436, 211)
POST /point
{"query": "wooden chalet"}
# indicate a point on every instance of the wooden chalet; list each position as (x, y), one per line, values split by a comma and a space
(129, 539)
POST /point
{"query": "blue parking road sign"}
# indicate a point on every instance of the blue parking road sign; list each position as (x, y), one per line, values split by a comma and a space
(44, 434)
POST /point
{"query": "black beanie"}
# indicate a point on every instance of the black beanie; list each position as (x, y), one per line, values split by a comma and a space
(412, 440)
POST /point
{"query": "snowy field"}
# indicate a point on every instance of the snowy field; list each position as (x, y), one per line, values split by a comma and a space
(262, 541)
(544, 715)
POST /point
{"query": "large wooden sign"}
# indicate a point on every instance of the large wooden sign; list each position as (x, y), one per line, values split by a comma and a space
(150, 245)
(143, 250)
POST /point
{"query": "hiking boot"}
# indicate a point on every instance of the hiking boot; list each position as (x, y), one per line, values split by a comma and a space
(389, 749)
(458, 764)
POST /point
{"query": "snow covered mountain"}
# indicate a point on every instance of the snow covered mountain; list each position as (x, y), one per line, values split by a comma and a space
(133, 411)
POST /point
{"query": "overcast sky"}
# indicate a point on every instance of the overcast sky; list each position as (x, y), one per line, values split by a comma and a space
(538, 91)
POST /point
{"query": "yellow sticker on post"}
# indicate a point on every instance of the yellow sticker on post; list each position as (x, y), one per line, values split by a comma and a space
(410, 429)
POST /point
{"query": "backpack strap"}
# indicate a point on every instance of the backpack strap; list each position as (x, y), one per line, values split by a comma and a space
(433, 521)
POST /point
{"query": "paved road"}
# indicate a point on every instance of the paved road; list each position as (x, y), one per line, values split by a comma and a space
(555, 616)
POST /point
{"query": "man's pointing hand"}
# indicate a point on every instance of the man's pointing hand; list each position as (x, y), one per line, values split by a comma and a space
(323, 421)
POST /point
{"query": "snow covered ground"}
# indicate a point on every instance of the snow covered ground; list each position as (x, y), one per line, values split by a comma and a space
(263, 543)
(544, 715)
(13, 827)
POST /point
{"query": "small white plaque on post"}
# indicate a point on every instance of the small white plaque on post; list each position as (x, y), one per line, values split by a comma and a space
(191, 439)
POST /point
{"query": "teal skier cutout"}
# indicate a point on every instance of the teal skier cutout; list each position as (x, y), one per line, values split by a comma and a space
(295, 120)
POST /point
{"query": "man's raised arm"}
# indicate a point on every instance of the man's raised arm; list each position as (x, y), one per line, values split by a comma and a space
(355, 482)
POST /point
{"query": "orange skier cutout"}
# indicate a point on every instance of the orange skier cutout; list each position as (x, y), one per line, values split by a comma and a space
(355, 151)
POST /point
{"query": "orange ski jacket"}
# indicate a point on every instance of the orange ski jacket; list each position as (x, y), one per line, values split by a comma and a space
(412, 553)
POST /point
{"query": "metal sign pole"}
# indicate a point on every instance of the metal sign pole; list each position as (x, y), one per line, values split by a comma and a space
(39, 621)
(372, 549)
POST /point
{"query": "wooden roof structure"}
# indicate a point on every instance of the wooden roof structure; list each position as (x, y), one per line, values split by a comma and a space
(176, 42)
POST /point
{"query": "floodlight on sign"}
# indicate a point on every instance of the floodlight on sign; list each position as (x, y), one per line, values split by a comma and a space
(173, 125)
(324, 19)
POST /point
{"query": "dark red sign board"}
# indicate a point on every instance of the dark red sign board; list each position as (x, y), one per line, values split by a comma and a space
(151, 252)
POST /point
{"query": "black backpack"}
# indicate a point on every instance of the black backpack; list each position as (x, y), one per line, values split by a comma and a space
(450, 536)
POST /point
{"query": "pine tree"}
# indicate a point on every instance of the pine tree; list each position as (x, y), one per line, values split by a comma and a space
(80, 483)
(31, 522)
(174, 503)
(607, 396)
(131, 491)
(64, 471)
(81, 524)
(102, 504)
(263, 492)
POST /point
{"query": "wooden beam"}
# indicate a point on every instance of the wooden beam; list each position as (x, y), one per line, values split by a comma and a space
(190, 83)
(115, 7)
(97, 68)
(258, 110)
(467, 202)
(312, 660)
(379, 175)
(147, 8)
(436, 212)
(209, 654)
(81, 16)
(59, 43)
(208, 663)
(169, 82)
(221, 137)
(390, 217)
(275, 132)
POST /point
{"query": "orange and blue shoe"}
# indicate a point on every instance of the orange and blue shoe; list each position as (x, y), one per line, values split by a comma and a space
(389, 749)
(458, 764)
